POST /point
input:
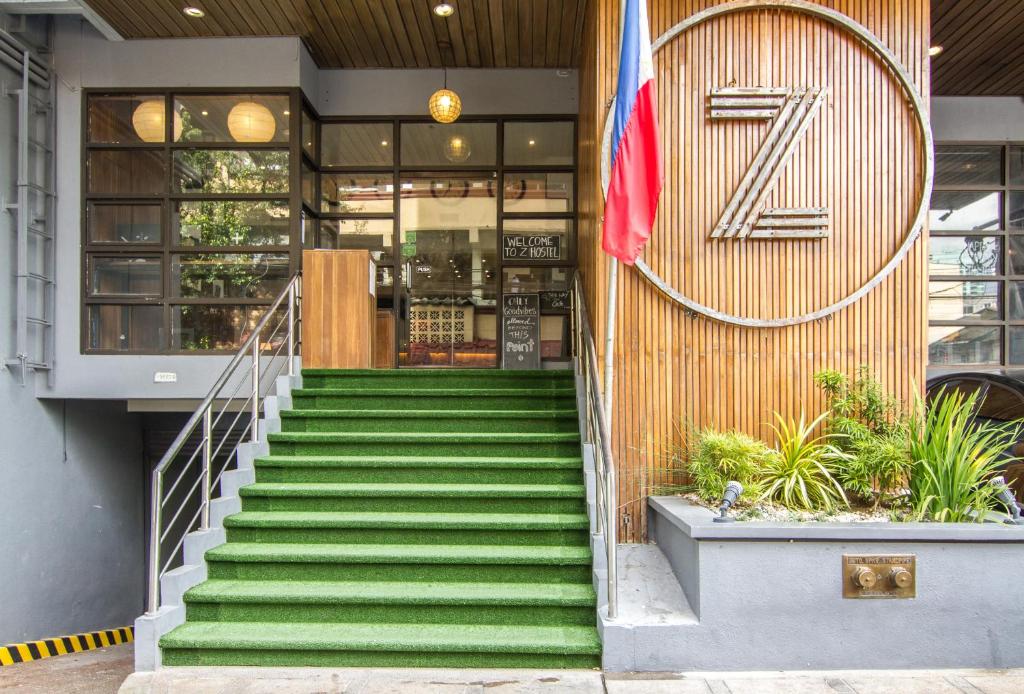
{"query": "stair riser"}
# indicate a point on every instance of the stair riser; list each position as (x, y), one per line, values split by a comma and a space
(441, 379)
(370, 401)
(400, 475)
(527, 615)
(266, 658)
(463, 573)
(525, 425)
(410, 536)
(415, 504)
(428, 448)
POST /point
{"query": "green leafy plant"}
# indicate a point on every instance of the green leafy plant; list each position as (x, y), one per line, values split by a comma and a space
(716, 457)
(870, 426)
(955, 455)
(800, 472)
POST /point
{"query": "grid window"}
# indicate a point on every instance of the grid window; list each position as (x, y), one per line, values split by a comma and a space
(976, 256)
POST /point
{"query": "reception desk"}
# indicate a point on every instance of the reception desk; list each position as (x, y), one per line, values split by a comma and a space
(339, 309)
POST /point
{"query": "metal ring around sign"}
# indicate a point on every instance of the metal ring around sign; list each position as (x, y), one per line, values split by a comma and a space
(920, 111)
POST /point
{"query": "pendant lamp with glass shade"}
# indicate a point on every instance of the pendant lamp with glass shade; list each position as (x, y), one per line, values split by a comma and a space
(445, 105)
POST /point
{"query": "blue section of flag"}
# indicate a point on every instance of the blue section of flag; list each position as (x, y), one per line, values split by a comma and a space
(629, 73)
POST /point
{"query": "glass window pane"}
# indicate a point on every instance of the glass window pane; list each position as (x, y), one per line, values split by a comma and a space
(309, 141)
(457, 144)
(539, 143)
(125, 328)
(111, 223)
(231, 223)
(368, 234)
(1015, 301)
(1016, 355)
(229, 275)
(125, 276)
(232, 118)
(963, 255)
(128, 118)
(969, 165)
(310, 227)
(552, 284)
(1016, 214)
(212, 327)
(537, 240)
(1016, 256)
(130, 172)
(538, 192)
(356, 193)
(964, 210)
(229, 171)
(959, 301)
(308, 186)
(951, 345)
(1016, 156)
(357, 144)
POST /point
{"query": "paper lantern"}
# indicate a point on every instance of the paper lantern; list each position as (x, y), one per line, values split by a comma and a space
(148, 121)
(251, 122)
(445, 106)
(457, 149)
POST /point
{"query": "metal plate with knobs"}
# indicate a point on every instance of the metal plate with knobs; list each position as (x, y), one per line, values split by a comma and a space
(879, 576)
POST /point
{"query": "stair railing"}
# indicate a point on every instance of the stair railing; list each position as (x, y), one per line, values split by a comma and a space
(252, 371)
(597, 434)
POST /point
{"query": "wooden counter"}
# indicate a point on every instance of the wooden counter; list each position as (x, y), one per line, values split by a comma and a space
(339, 309)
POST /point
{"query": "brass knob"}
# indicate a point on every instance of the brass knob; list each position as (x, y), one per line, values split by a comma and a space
(900, 577)
(864, 578)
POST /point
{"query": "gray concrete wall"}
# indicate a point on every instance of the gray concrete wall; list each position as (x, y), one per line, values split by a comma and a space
(71, 481)
(770, 597)
(985, 118)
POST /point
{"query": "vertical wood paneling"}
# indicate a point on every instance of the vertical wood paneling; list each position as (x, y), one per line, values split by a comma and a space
(860, 158)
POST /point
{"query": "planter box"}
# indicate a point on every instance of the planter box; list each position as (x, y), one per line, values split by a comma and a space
(769, 596)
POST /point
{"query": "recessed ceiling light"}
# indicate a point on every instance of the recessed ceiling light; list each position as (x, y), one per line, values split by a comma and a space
(194, 12)
(383, 143)
(444, 9)
(934, 51)
(287, 113)
(533, 142)
(205, 113)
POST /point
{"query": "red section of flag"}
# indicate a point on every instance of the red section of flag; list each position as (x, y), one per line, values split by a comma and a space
(636, 182)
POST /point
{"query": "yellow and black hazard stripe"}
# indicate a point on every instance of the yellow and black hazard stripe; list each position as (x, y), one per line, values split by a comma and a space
(62, 645)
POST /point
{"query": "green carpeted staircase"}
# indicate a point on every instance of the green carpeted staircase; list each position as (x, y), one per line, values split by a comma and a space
(407, 518)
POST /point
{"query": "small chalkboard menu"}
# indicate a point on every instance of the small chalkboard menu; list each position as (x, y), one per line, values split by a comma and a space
(520, 345)
(532, 247)
(555, 302)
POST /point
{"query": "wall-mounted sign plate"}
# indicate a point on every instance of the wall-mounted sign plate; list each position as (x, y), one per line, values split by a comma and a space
(165, 377)
(879, 576)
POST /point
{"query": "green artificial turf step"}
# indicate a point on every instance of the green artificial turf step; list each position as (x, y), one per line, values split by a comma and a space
(398, 554)
(424, 443)
(434, 398)
(393, 593)
(452, 421)
(449, 378)
(468, 469)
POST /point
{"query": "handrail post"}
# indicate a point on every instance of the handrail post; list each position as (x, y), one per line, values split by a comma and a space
(207, 465)
(291, 329)
(157, 492)
(255, 390)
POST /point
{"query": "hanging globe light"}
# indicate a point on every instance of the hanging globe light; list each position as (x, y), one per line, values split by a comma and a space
(251, 122)
(148, 121)
(457, 149)
(445, 106)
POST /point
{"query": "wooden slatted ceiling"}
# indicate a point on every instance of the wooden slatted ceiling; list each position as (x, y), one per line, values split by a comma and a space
(377, 33)
(860, 158)
(983, 47)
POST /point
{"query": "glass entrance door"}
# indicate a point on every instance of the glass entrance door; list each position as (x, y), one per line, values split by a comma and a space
(449, 271)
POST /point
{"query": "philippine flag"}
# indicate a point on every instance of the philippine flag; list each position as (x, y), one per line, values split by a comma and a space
(636, 176)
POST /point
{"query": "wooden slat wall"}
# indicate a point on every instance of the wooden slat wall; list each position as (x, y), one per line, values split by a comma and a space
(676, 370)
(339, 315)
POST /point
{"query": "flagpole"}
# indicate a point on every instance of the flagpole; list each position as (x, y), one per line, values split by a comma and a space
(609, 340)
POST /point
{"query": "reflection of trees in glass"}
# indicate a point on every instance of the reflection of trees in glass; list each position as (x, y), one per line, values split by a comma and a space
(216, 327)
(231, 171)
(237, 275)
(233, 223)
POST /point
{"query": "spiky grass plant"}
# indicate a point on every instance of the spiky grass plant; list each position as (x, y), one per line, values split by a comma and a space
(954, 456)
(800, 474)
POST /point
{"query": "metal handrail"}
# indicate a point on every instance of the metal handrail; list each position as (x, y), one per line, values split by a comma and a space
(597, 433)
(259, 380)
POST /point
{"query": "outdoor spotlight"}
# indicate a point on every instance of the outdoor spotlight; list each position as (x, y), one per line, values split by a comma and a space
(1006, 496)
(732, 492)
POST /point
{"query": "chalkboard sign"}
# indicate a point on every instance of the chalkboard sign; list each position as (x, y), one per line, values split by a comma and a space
(520, 345)
(532, 247)
(555, 302)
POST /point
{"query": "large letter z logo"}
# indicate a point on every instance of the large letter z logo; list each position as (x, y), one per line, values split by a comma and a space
(746, 216)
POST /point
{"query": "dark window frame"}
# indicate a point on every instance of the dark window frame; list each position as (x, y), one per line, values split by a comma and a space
(1003, 277)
